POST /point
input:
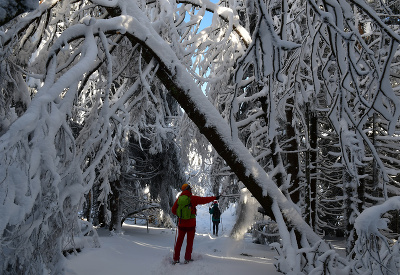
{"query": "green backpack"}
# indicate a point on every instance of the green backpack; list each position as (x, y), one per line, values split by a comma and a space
(184, 210)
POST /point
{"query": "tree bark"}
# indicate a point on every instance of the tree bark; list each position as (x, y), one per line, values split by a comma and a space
(313, 134)
(292, 157)
(115, 206)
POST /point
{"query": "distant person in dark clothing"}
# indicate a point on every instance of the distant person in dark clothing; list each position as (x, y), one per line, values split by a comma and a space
(216, 217)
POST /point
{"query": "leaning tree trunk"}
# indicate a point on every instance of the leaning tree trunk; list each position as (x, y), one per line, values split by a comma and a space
(211, 124)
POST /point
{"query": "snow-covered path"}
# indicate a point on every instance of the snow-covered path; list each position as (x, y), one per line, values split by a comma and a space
(138, 252)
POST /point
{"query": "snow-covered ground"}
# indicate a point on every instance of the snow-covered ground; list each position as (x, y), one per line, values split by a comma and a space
(137, 252)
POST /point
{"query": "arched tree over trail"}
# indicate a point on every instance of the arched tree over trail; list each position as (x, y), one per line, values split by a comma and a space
(65, 57)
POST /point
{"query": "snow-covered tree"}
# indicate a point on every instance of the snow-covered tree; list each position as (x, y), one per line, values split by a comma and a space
(83, 77)
(9, 9)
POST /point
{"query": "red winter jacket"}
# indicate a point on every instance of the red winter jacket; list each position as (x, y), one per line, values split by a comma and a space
(194, 200)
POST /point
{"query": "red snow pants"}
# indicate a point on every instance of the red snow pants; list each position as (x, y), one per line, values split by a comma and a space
(182, 231)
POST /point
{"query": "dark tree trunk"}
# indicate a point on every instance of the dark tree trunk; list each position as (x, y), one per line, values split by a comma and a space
(292, 156)
(115, 206)
(351, 236)
(101, 216)
(313, 134)
(88, 212)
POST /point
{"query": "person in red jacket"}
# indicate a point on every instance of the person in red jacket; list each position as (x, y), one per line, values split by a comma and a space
(187, 226)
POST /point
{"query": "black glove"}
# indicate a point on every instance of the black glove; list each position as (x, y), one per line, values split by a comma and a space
(217, 197)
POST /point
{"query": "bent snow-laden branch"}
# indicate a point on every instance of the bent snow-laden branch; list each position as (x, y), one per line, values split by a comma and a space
(211, 124)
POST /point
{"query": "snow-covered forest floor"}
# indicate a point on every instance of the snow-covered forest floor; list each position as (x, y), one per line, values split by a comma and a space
(137, 252)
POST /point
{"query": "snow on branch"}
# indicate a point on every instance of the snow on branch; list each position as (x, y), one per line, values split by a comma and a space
(225, 13)
(373, 251)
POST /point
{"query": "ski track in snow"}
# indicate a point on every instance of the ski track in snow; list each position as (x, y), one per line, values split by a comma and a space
(135, 251)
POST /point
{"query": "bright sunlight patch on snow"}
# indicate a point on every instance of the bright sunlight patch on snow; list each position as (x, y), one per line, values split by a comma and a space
(137, 252)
